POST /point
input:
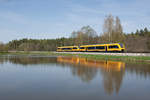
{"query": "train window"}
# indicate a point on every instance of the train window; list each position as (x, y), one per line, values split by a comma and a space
(100, 47)
(66, 48)
(91, 47)
(121, 45)
(74, 47)
(82, 48)
(113, 46)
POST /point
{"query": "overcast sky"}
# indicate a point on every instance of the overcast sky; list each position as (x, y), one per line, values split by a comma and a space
(41, 19)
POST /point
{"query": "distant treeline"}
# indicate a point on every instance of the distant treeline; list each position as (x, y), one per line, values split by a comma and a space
(112, 32)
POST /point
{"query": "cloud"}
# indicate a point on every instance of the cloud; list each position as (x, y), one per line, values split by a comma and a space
(134, 14)
(35, 18)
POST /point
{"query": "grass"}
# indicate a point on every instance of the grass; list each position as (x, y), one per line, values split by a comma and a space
(111, 57)
(26, 53)
(89, 56)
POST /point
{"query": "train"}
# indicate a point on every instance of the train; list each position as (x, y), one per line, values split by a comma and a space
(112, 47)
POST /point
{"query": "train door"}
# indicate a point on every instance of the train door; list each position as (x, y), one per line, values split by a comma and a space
(106, 49)
(86, 49)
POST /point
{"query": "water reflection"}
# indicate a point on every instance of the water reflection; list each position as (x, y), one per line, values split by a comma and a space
(112, 72)
(27, 60)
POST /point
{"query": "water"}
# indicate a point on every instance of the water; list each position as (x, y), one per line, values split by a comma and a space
(66, 78)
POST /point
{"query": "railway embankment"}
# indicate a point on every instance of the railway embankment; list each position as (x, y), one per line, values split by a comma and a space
(89, 55)
(109, 56)
(113, 54)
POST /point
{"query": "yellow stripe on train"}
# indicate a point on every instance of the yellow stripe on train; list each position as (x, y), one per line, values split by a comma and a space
(113, 47)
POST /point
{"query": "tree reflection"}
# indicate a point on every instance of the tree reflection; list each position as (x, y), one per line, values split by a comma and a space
(25, 60)
(2, 60)
(113, 73)
(78, 67)
(139, 69)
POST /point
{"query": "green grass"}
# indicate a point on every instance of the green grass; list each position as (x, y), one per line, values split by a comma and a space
(25, 53)
(89, 56)
(111, 57)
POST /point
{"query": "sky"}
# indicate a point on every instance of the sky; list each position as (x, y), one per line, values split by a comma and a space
(47, 19)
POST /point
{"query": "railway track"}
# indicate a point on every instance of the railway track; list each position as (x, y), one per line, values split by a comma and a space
(115, 54)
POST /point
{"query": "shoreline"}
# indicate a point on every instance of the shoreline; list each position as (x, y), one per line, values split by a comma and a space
(104, 56)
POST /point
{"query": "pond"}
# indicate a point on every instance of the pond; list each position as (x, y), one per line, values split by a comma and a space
(72, 78)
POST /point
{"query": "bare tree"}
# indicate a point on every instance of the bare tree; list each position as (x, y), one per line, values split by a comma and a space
(74, 36)
(89, 34)
(85, 35)
(118, 35)
(112, 30)
(3, 47)
(108, 28)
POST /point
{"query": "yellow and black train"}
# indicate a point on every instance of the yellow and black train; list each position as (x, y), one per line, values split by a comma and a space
(113, 47)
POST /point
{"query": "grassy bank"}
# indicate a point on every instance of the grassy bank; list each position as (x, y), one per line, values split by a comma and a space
(26, 53)
(89, 56)
(110, 57)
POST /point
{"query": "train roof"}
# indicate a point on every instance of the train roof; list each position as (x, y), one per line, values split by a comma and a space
(100, 44)
(89, 45)
(67, 46)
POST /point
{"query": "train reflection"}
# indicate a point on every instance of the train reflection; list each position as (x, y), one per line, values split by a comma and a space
(112, 72)
(107, 65)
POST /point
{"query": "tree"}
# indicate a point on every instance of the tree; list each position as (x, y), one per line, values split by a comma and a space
(88, 35)
(112, 30)
(137, 32)
(108, 28)
(146, 32)
(85, 35)
(3, 47)
(141, 32)
(118, 35)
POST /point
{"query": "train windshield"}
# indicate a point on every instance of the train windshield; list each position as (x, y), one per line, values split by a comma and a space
(121, 45)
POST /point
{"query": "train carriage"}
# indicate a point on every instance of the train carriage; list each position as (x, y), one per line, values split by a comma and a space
(113, 47)
(116, 47)
(96, 48)
(67, 48)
